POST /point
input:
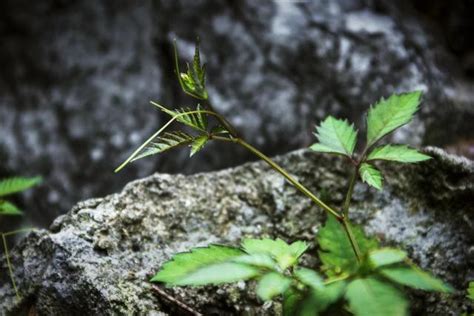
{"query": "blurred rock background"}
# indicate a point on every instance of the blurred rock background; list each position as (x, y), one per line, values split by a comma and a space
(77, 77)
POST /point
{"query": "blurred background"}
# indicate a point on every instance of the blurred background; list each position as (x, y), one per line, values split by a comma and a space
(77, 77)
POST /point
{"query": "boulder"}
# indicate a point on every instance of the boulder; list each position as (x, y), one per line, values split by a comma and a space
(78, 76)
(99, 257)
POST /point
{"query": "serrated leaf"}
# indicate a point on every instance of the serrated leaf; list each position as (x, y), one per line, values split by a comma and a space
(335, 136)
(285, 255)
(193, 82)
(272, 284)
(398, 153)
(386, 256)
(194, 120)
(336, 251)
(310, 278)
(370, 296)
(17, 184)
(198, 144)
(258, 260)
(387, 115)
(371, 176)
(470, 290)
(414, 277)
(166, 142)
(7, 208)
(226, 272)
(183, 264)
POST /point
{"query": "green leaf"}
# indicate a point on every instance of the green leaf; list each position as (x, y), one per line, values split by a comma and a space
(198, 144)
(310, 278)
(226, 272)
(335, 136)
(258, 260)
(166, 142)
(284, 254)
(193, 82)
(183, 264)
(370, 296)
(17, 184)
(317, 301)
(399, 153)
(371, 176)
(413, 276)
(386, 256)
(336, 252)
(7, 208)
(194, 120)
(272, 284)
(388, 115)
(470, 290)
(291, 301)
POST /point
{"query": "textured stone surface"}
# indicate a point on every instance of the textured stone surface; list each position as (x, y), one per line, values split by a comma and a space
(98, 258)
(77, 76)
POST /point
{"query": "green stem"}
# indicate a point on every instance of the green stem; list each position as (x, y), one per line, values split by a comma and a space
(9, 264)
(285, 174)
(347, 227)
(347, 201)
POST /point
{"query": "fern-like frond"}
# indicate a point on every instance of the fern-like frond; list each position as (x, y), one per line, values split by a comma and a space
(166, 142)
(17, 184)
(194, 120)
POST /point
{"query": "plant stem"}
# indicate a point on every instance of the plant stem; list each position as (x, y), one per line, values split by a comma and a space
(347, 201)
(9, 264)
(279, 169)
(347, 227)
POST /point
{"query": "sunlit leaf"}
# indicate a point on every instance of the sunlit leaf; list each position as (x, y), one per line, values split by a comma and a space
(386, 256)
(166, 142)
(17, 184)
(371, 176)
(335, 136)
(415, 277)
(7, 208)
(198, 144)
(272, 284)
(398, 153)
(387, 115)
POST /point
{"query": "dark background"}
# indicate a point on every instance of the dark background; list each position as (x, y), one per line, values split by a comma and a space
(77, 77)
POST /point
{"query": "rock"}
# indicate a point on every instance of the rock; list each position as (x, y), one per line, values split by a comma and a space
(74, 94)
(97, 259)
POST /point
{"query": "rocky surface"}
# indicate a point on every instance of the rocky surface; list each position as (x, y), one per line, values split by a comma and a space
(97, 259)
(77, 77)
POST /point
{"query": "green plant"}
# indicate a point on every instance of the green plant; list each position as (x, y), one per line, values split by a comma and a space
(10, 186)
(13, 185)
(358, 271)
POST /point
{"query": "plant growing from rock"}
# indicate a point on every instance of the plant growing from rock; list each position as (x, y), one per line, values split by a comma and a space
(8, 187)
(360, 276)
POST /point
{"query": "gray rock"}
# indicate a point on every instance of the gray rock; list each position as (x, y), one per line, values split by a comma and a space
(77, 77)
(97, 259)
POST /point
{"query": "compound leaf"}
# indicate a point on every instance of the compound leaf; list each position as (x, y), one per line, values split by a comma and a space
(17, 184)
(388, 115)
(198, 144)
(7, 208)
(285, 255)
(399, 153)
(371, 175)
(335, 136)
(386, 256)
(258, 260)
(184, 264)
(413, 276)
(166, 142)
(336, 251)
(370, 296)
(195, 119)
(271, 285)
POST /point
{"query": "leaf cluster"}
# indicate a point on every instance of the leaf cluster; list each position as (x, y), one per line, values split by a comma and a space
(337, 136)
(14, 185)
(370, 288)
